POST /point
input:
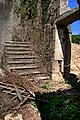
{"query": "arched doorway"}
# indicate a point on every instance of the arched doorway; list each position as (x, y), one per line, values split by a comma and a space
(62, 23)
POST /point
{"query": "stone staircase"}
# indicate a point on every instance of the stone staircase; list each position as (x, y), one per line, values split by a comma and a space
(19, 57)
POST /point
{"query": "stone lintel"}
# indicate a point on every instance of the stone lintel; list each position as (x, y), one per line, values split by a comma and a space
(68, 17)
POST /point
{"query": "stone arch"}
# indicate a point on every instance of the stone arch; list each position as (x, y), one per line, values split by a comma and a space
(62, 22)
(69, 17)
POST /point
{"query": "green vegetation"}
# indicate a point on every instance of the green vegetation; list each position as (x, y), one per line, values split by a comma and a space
(32, 103)
(27, 9)
(46, 85)
(60, 107)
(45, 5)
(76, 39)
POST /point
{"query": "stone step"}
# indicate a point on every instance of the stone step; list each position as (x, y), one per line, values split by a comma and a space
(36, 75)
(17, 42)
(31, 61)
(21, 57)
(34, 60)
(43, 78)
(18, 45)
(23, 64)
(24, 67)
(27, 71)
(17, 49)
(17, 52)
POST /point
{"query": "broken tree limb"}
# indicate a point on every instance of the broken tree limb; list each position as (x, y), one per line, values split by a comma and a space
(14, 90)
(25, 99)
(17, 92)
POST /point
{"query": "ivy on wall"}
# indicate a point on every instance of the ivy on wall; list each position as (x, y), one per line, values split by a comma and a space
(27, 9)
(45, 5)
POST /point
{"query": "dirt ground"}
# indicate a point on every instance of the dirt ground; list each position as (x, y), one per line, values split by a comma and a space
(9, 105)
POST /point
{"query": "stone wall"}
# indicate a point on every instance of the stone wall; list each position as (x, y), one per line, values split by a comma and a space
(47, 39)
(8, 20)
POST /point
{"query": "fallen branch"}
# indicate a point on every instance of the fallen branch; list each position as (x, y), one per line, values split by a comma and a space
(25, 99)
(17, 92)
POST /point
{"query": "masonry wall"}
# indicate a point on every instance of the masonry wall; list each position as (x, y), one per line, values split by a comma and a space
(8, 20)
(45, 38)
